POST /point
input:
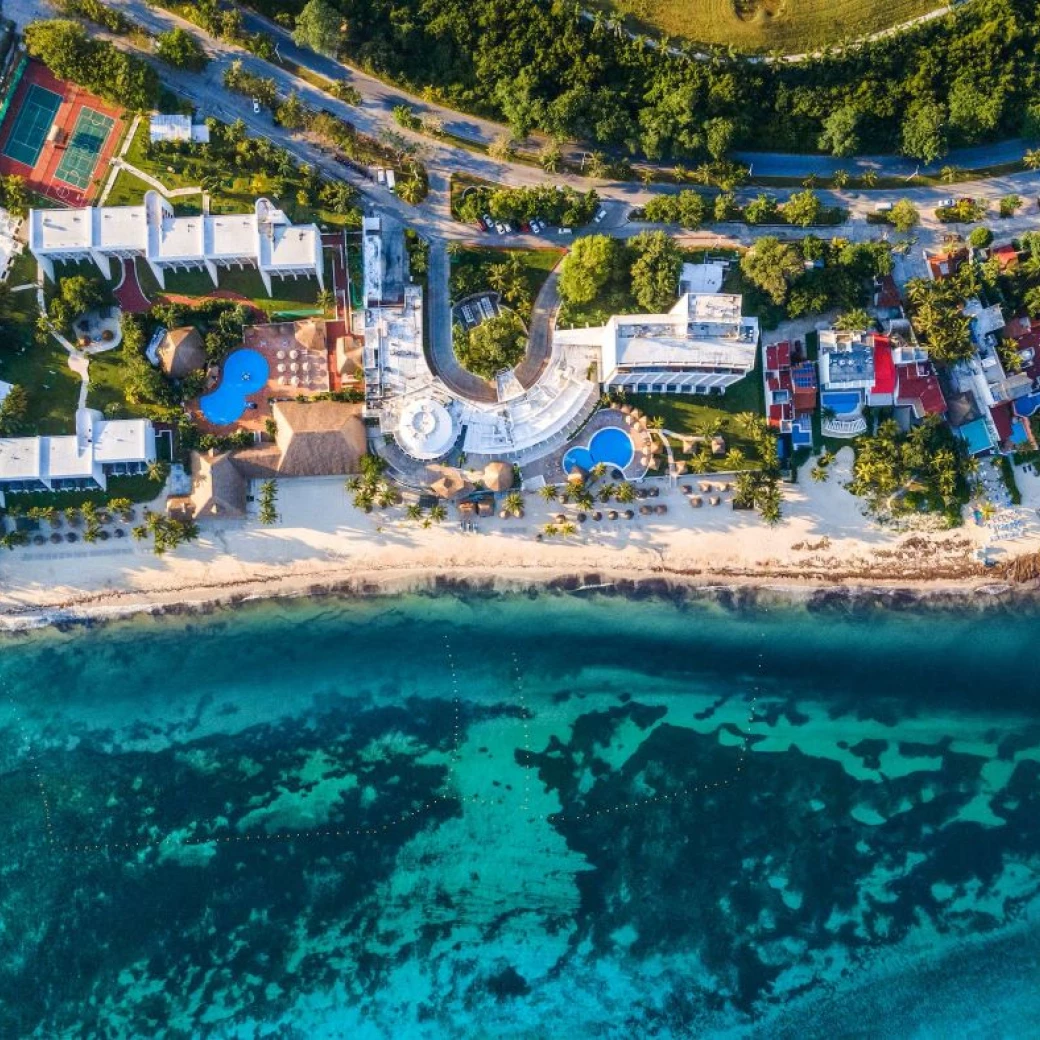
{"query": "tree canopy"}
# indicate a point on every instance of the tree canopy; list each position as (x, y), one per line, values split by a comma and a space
(319, 26)
(498, 343)
(66, 49)
(181, 49)
(655, 270)
(589, 266)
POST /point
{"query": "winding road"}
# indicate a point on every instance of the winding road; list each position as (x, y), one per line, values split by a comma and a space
(432, 219)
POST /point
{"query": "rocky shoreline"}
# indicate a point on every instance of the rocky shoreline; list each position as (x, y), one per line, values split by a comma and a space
(731, 592)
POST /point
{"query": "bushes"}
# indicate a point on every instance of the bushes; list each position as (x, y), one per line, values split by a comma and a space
(563, 206)
(100, 14)
(493, 345)
(689, 209)
(181, 50)
(65, 49)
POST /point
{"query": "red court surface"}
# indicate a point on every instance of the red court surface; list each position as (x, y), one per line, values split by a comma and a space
(41, 177)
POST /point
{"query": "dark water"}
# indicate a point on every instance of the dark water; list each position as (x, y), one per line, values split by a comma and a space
(522, 817)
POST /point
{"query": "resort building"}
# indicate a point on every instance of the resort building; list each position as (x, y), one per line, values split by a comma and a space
(173, 128)
(263, 239)
(701, 346)
(100, 448)
(861, 369)
(790, 384)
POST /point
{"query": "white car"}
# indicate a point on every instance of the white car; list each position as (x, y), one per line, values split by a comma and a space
(565, 231)
(946, 204)
(256, 105)
(537, 225)
(599, 216)
(500, 228)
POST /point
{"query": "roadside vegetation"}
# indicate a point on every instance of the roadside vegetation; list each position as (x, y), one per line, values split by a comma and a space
(555, 205)
(690, 209)
(961, 80)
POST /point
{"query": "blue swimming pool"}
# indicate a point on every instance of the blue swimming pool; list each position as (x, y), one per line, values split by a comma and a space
(1027, 405)
(841, 402)
(245, 373)
(610, 446)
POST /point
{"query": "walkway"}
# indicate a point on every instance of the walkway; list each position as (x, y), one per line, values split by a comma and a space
(128, 293)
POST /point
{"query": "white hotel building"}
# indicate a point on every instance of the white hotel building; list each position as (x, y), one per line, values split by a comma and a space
(264, 239)
(100, 448)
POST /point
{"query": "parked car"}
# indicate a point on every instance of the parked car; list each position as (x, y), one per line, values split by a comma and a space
(488, 222)
(883, 207)
(537, 225)
(256, 105)
(565, 231)
(946, 204)
(601, 213)
(500, 228)
(509, 227)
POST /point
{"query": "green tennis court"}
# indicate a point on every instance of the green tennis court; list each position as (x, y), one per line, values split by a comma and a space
(84, 147)
(35, 117)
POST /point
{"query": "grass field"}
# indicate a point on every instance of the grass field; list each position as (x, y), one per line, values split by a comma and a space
(791, 26)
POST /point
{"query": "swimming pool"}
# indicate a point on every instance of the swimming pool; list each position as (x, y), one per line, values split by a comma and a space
(841, 402)
(610, 446)
(245, 373)
(1027, 405)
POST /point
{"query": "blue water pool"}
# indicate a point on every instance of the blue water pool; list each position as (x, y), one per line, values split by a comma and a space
(841, 402)
(610, 445)
(1027, 405)
(245, 373)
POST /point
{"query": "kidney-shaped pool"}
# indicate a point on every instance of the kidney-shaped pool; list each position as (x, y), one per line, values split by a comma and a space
(609, 445)
(245, 373)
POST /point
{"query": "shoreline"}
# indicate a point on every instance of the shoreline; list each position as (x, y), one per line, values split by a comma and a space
(736, 591)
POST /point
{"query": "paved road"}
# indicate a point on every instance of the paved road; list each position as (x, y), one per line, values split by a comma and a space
(442, 355)
(539, 339)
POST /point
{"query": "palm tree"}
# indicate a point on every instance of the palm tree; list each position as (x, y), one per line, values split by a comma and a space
(139, 533)
(948, 174)
(869, 178)
(414, 511)
(734, 458)
(514, 503)
(410, 191)
(597, 165)
(584, 500)
(326, 300)
(569, 528)
(1031, 160)
(158, 471)
(353, 484)
(656, 422)
(840, 178)
(607, 492)
(626, 493)
(438, 513)
(550, 530)
(549, 493)
(819, 474)
(987, 511)
(599, 471)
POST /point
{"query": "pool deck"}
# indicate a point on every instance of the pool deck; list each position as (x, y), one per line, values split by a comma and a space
(550, 467)
(308, 339)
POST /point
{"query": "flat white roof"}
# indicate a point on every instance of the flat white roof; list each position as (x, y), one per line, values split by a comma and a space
(660, 351)
(701, 278)
(19, 458)
(232, 235)
(64, 458)
(58, 230)
(289, 247)
(120, 227)
(181, 238)
(122, 440)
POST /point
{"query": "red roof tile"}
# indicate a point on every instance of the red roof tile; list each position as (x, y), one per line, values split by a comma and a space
(887, 295)
(884, 367)
(1001, 414)
(1007, 255)
(919, 383)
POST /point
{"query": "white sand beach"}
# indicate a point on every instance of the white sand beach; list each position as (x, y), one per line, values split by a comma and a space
(322, 540)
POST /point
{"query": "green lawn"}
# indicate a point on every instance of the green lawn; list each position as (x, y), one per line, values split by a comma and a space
(23, 271)
(290, 295)
(106, 392)
(42, 370)
(137, 489)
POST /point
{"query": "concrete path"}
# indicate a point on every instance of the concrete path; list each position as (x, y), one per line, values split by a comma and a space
(540, 330)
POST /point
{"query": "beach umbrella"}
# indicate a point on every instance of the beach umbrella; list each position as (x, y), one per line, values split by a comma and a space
(294, 367)
(281, 354)
(661, 509)
(281, 366)
(294, 354)
(645, 510)
(629, 514)
(561, 518)
(625, 409)
(597, 516)
(696, 501)
(295, 380)
(612, 515)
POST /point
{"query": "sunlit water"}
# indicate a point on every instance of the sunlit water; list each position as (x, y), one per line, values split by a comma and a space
(522, 817)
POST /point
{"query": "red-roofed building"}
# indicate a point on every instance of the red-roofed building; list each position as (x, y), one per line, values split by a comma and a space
(944, 265)
(884, 368)
(1001, 416)
(1006, 256)
(790, 392)
(886, 294)
(917, 387)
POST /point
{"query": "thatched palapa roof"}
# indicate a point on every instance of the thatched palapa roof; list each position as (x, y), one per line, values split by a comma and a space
(498, 476)
(320, 438)
(182, 352)
(218, 489)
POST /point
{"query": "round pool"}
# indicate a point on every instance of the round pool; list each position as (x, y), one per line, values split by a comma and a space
(245, 373)
(611, 446)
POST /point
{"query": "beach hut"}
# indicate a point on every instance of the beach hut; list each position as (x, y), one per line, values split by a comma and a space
(182, 352)
(468, 508)
(450, 484)
(498, 476)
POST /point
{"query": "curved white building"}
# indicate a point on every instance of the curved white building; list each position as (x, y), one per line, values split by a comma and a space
(426, 429)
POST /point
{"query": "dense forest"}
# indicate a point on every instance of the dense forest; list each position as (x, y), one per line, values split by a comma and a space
(967, 78)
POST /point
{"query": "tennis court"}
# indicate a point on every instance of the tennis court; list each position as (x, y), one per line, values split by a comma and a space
(35, 117)
(84, 148)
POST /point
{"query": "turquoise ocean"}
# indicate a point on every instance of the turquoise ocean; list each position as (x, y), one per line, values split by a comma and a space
(523, 817)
